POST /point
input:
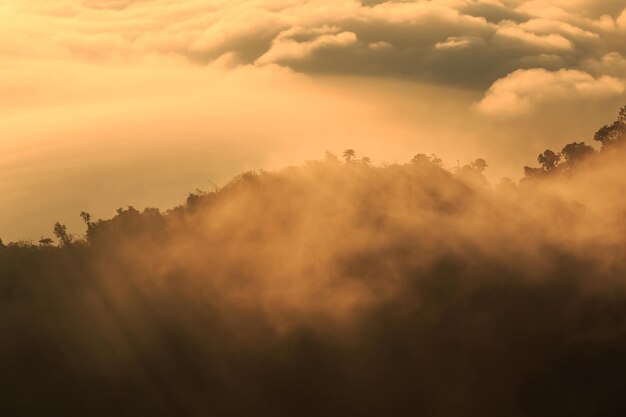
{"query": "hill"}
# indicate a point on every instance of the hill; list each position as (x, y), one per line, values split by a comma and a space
(333, 288)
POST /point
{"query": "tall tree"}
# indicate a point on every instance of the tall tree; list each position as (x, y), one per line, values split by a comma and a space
(349, 155)
(479, 165)
(613, 133)
(60, 231)
(548, 159)
(575, 151)
(420, 159)
(45, 241)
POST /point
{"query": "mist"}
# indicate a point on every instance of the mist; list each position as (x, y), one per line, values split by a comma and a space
(101, 137)
(335, 287)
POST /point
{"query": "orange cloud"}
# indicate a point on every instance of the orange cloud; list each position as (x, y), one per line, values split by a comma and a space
(526, 90)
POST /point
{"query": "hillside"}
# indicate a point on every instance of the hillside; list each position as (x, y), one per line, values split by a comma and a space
(333, 288)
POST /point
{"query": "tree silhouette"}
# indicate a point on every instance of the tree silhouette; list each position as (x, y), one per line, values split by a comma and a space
(473, 172)
(435, 160)
(420, 159)
(331, 158)
(91, 226)
(613, 133)
(86, 218)
(60, 231)
(45, 241)
(533, 172)
(349, 155)
(479, 165)
(548, 159)
(366, 160)
(575, 151)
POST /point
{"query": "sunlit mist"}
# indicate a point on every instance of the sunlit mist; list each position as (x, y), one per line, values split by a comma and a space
(313, 208)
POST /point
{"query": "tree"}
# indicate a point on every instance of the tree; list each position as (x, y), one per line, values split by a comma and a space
(420, 159)
(86, 218)
(45, 241)
(548, 160)
(473, 172)
(479, 165)
(366, 160)
(435, 160)
(613, 133)
(575, 151)
(91, 226)
(193, 199)
(533, 172)
(349, 155)
(60, 231)
(506, 186)
(331, 158)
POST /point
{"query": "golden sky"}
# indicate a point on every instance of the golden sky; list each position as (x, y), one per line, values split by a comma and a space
(115, 102)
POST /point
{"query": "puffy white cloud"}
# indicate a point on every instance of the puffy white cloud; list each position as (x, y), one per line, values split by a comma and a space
(524, 90)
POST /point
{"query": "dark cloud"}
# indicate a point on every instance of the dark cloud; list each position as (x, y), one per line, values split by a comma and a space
(372, 2)
(493, 12)
(471, 43)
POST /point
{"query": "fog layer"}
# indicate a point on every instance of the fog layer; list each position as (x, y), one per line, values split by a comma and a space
(333, 288)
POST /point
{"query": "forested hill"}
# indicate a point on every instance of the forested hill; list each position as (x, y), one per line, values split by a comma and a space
(339, 287)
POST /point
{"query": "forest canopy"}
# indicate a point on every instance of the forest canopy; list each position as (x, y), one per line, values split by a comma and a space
(339, 287)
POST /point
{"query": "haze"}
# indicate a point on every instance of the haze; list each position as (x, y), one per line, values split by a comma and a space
(312, 208)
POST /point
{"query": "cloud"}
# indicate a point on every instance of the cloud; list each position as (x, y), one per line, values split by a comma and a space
(458, 42)
(593, 8)
(108, 4)
(546, 27)
(612, 64)
(493, 11)
(286, 47)
(621, 20)
(524, 90)
(420, 40)
(510, 37)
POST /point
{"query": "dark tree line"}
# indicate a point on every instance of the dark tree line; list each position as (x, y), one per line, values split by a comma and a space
(573, 153)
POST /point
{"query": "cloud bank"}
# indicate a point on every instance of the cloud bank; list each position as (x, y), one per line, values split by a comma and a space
(523, 90)
(468, 43)
(510, 31)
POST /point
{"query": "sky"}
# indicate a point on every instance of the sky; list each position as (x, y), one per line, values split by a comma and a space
(109, 103)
